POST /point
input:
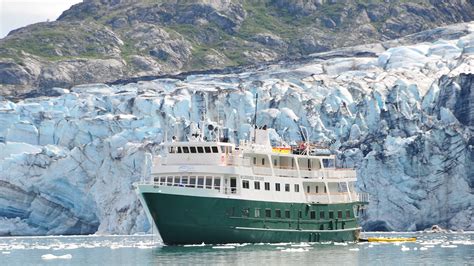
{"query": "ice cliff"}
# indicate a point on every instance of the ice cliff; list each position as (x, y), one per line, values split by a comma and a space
(402, 116)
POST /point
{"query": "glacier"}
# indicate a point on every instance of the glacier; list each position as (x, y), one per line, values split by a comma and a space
(402, 114)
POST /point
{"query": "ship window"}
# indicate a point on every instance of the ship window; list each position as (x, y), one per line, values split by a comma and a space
(348, 214)
(268, 213)
(245, 212)
(292, 163)
(321, 215)
(325, 189)
(207, 149)
(233, 185)
(245, 184)
(257, 213)
(176, 181)
(287, 187)
(312, 215)
(200, 182)
(156, 179)
(192, 149)
(287, 214)
(171, 149)
(263, 161)
(200, 149)
(192, 181)
(308, 189)
(300, 214)
(297, 188)
(339, 214)
(184, 181)
(328, 163)
(214, 149)
(267, 185)
(275, 162)
(278, 213)
(209, 182)
(217, 183)
(277, 186)
(185, 150)
(162, 180)
(254, 160)
(179, 150)
(331, 215)
(256, 185)
(317, 189)
(169, 181)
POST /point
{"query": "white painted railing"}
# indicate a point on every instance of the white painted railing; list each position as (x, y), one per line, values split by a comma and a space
(363, 196)
(316, 174)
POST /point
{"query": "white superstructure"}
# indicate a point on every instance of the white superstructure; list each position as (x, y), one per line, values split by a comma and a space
(253, 170)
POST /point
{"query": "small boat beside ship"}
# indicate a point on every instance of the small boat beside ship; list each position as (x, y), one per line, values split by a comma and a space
(216, 192)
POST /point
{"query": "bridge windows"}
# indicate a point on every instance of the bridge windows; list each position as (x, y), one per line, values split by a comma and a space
(209, 182)
(207, 149)
(277, 186)
(200, 182)
(257, 213)
(200, 149)
(245, 184)
(297, 188)
(256, 185)
(192, 149)
(214, 149)
(217, 183)
(268, 213)
(267, 185)
(192, 181)
(287, 187)
(277, 213)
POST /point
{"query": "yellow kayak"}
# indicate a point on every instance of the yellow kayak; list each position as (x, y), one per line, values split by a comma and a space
(385, 239)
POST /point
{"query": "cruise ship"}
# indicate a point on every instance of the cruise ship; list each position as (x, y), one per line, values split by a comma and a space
(215, 192)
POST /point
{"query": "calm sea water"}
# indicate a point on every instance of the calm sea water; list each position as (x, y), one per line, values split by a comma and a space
(429, 249)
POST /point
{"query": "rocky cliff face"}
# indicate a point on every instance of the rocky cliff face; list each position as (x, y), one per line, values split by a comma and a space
(401, 116)
(101, 41)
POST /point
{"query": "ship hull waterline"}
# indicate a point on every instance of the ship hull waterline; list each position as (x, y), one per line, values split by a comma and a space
(184, 220)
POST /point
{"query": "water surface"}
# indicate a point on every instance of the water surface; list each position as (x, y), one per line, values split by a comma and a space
(429, 249)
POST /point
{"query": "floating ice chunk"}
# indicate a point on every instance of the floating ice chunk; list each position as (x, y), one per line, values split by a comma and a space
(354, 249)
(404, 248)
(295, 250)
(278, 244)
(195, 245)
(54, 257)
(223, 247)
(423, 248)
(301, 245)
(449, 246)
(6, 252)
(340, 243)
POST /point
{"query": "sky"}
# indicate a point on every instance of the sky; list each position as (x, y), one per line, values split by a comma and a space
(19, 13)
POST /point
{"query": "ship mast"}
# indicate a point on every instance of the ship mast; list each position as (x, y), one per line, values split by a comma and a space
(255, 120)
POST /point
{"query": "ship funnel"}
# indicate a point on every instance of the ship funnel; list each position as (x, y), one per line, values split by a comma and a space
(261, 136)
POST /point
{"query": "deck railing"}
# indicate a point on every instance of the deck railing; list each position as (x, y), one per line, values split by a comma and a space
(317, 174)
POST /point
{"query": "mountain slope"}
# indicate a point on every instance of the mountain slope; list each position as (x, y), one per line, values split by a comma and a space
(99, 41)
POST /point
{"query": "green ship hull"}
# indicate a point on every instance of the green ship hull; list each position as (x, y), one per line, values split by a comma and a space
(194, 220)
